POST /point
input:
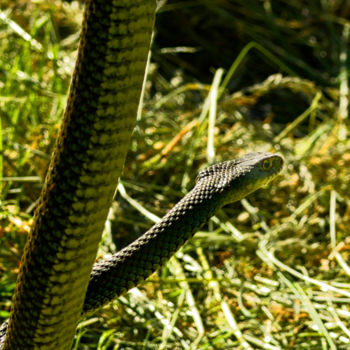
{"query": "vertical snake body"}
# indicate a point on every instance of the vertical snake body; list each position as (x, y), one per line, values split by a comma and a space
(83, 173)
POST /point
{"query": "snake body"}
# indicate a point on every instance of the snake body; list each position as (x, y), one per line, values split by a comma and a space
(87, 161)
(86, 164)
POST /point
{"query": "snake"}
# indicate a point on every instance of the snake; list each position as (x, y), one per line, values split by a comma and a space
(216, 186)
(58, 282)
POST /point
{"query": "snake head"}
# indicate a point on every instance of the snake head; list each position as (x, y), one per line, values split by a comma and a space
(235, 179)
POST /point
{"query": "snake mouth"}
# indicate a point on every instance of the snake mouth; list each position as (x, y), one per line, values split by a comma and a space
(279, 162)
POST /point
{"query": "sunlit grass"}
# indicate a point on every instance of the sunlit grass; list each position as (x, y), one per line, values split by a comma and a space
(270, 272)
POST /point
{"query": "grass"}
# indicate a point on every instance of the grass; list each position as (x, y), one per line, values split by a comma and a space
(270, 272)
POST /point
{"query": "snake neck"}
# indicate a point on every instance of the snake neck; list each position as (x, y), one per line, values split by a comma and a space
(141, 258)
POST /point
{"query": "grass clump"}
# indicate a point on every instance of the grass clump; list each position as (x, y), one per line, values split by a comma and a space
(270, 272)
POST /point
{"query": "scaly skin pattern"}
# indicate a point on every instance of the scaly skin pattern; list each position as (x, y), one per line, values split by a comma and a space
(82, 176)
(216, 186)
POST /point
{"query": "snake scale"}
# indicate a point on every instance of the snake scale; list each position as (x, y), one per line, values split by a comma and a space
(53, 289)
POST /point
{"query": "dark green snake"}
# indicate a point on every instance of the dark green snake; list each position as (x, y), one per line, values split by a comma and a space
(54, 277)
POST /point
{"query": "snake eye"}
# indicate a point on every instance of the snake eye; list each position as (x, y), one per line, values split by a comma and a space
(266, 164)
